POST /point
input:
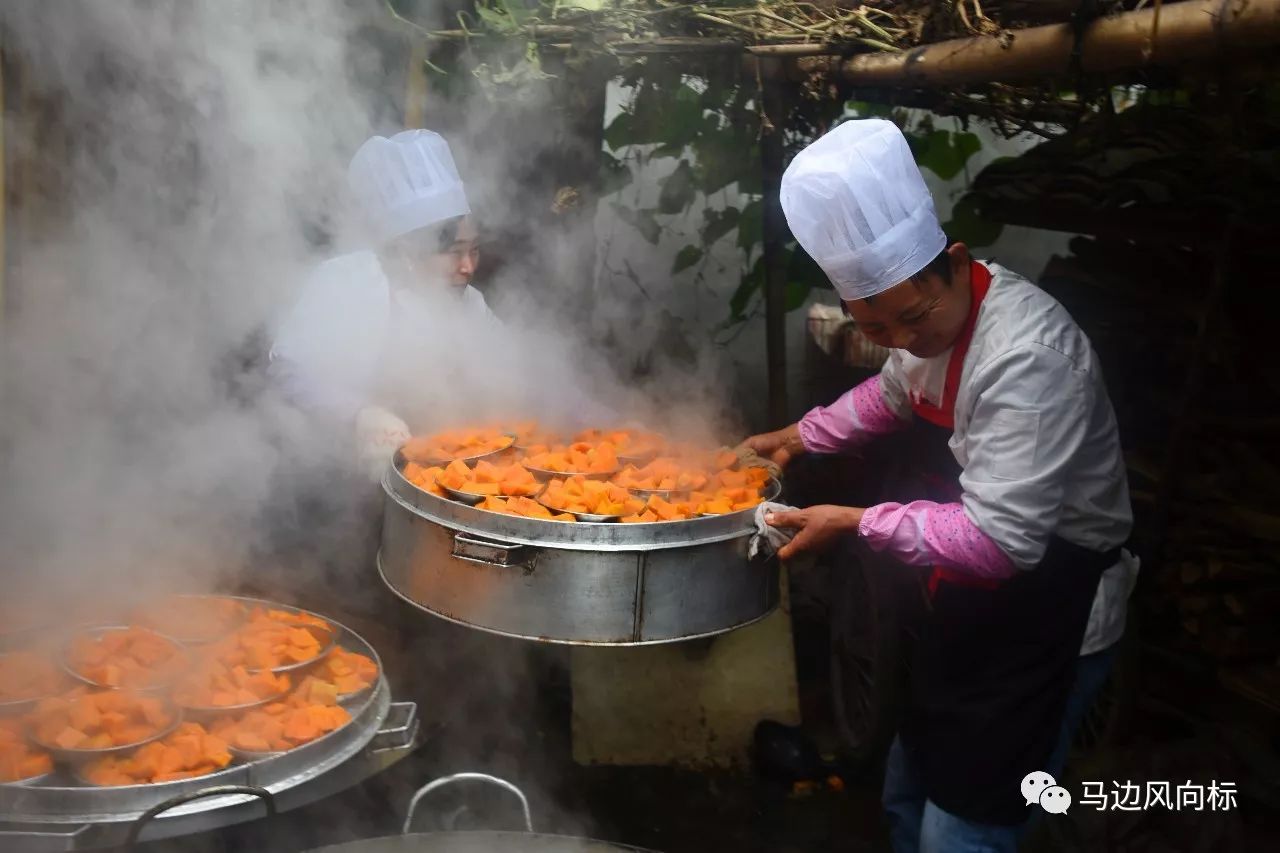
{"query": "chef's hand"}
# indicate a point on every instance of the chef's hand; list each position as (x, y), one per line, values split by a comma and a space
(779, 446)
(378, 434)
(818, 526)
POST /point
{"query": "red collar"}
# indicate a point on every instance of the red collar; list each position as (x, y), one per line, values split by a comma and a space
(944, 415)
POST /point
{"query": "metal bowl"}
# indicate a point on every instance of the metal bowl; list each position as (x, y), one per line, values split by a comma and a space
(639, 460)
(511, 442)
(99, 631)
(468, 498)
(31, 780)
(248, 755)
(195, 639)
(325, 648)
(79, 756)
(588, 517)
(546, 474)
(203, 712)
(355, 695)
(78, 774)
(665, 494)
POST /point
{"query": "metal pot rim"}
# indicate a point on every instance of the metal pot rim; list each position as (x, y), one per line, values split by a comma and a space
(584, 536)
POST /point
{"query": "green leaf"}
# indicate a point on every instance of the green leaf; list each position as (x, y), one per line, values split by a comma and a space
(670, 149)
(805, 270)
(866, 109)
(641, 220)
(496, 21)
(618, 133)
(797, 294)
(685, 258)
(750, 284)
(752, 179)
(748, 287)
(671, 116)
(723, 157)
(678, 191)
(968, 227)
(944, 152)
(516, 9)
(614, 174)
(751, 225)
(717, 223)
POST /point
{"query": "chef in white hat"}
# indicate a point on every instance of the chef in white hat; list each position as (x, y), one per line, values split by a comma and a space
(1021, 503)
(360, 312)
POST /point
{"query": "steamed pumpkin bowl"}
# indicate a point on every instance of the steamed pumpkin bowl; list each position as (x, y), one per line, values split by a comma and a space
(124, 657)
(192, 619)
(86, 724)
(21, 762)
(190, 751)
(456, 445)
(214, 688)
(276, 639)
(26, 677)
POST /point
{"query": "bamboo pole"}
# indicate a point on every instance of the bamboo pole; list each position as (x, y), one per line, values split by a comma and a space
(415, 87)
(1188, 31)
(4, 200)
(772, 162)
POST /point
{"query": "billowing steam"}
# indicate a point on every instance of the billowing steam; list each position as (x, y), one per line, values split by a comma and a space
(175, 162)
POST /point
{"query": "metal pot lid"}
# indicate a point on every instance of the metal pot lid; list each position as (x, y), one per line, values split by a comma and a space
(478, 842)
(583, 536)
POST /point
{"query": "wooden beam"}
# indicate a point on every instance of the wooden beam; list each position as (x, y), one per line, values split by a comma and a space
(1188, 31)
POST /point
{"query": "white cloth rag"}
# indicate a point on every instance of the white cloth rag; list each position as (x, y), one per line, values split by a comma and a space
(768, 539)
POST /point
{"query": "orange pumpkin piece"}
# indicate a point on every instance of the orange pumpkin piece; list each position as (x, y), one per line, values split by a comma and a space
(191, 616)
(578, 494)
(273, 639)
(664, 510)
(578, 458)
(646, 517)
(82, 719)
(517, 480)
(28, 675)
(424, 478)
(349, 672)
(125, 657)
(454, 444)
(309, 712)
(189, 751)
(18, 758)
(717, 506)
(493, 504)
(216, 685)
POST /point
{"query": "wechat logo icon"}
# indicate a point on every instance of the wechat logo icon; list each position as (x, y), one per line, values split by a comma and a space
(1040, 787)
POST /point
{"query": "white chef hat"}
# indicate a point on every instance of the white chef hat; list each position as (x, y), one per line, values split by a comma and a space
(858, 205)
(406, 182)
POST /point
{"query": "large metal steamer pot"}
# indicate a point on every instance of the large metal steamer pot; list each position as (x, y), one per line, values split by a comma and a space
(484, 841)
(576, 583)
(61, 813)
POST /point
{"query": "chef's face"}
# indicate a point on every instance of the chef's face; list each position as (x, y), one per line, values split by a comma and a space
(427, 259)
(922, 315)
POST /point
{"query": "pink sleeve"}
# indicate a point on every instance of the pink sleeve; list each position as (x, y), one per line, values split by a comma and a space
(850, 422)
(924, 533)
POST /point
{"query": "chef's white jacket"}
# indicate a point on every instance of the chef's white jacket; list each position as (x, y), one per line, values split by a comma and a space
(1035, 435)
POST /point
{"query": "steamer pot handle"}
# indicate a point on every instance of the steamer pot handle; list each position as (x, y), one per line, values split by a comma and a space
(466, 777)
(150, 814)
(484, 551)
